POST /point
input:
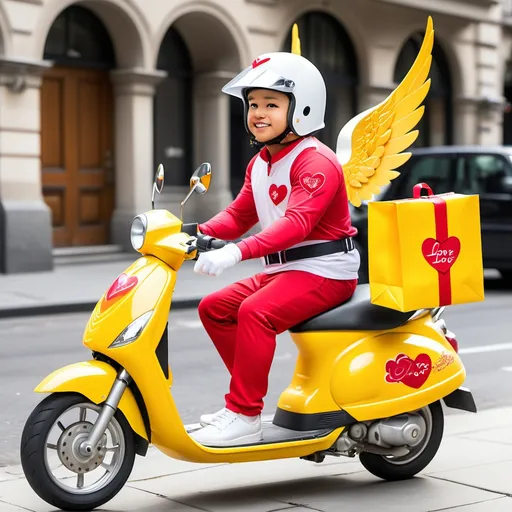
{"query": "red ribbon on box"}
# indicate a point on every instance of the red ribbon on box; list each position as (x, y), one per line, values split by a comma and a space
(440, 252)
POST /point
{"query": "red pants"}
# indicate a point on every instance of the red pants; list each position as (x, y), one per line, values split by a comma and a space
(244, 318)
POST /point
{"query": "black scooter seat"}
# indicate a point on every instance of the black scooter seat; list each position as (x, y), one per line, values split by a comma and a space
(356, 314)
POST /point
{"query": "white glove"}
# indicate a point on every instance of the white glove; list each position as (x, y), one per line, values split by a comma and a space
(213, 263)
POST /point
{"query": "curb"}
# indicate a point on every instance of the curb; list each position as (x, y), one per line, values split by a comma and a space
(77, 307)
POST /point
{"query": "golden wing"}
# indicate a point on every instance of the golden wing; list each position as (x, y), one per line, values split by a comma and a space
(370, 145)
(295, 39)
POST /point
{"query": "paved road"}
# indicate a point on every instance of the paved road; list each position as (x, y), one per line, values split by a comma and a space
(30, 348)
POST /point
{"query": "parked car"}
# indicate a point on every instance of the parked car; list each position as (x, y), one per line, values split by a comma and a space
(486, 171)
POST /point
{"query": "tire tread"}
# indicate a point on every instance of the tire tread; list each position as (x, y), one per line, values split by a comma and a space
(32, 456)
(377, 465)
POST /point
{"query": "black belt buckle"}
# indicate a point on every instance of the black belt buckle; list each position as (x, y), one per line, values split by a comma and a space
(275, 258)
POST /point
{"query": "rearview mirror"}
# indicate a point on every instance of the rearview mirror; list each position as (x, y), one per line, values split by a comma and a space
(159, 179)
(158, 184)
(199, 182)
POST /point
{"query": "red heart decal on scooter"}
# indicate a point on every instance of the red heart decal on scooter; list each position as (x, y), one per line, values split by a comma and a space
(121, 286)
(411, 373)
(441, 255)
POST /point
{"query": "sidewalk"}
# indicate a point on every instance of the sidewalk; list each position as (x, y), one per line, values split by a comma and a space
(472, 470)
(77, 288)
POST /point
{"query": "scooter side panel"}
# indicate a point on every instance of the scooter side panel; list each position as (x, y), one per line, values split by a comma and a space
(153, 290)
(393, 373)
(93, 379)
(310, 391)
(366, 374)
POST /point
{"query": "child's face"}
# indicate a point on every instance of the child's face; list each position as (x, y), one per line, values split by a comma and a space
(267, 116)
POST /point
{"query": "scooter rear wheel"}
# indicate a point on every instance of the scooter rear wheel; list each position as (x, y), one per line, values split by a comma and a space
(403, 468)
(52, 435)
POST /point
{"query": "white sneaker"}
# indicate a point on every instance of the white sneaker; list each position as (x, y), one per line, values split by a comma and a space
(228, 428)
(206, 419)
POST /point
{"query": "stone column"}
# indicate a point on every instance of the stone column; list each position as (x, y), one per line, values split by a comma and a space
(488, 41)
(211, 141)
(134, 90)
(25, 220)
(490, 121)
(466, 123)
(371, 96)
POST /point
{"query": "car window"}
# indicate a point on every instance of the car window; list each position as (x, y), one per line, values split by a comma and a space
(435, 171)
(482, 174)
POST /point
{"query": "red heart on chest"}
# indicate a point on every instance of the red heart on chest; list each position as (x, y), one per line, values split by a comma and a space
(441, 255)
(122, 285)
(277, 194)
(312, 183)
(412, 373)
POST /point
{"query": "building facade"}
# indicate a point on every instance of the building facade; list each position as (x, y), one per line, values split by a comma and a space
(94, 94)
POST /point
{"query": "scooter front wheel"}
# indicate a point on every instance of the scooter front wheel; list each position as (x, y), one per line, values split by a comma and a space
(53, 464)
(405, 467)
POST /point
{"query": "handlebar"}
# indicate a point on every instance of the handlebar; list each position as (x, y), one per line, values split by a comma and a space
(202, 242)
(218, 244)
(209, 243)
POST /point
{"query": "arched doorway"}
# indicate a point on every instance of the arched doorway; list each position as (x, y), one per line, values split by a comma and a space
(436, 126)
(191, 113)
(241, 151)
(173, 110)
(77, 129)
(325, 42)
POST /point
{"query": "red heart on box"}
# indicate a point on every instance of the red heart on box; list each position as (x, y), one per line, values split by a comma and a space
(411, 373)
(312, 183)
(277, 194)
(441, 255)
(122, 285)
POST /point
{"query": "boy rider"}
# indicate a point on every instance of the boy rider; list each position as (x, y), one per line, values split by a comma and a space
(294, 187)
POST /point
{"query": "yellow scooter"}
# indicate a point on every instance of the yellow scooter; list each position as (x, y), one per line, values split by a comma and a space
(368, 381)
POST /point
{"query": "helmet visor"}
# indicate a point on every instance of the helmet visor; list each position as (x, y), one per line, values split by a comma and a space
(255, 78)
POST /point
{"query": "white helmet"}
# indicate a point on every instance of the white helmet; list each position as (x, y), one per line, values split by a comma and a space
(291, 74)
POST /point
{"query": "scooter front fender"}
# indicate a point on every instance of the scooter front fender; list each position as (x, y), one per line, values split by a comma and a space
(94, 379)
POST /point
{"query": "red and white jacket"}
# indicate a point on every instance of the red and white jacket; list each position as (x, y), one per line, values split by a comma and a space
(298, 196)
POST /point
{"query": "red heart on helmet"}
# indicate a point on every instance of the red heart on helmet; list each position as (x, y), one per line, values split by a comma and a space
(258, 62)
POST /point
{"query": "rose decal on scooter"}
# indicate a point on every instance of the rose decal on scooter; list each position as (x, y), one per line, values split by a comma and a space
(412, 373)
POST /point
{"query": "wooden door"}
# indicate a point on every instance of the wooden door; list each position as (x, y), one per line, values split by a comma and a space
(77, 154)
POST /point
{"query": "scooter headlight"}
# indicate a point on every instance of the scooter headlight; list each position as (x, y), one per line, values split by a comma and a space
(132, 332)
(138, 231)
